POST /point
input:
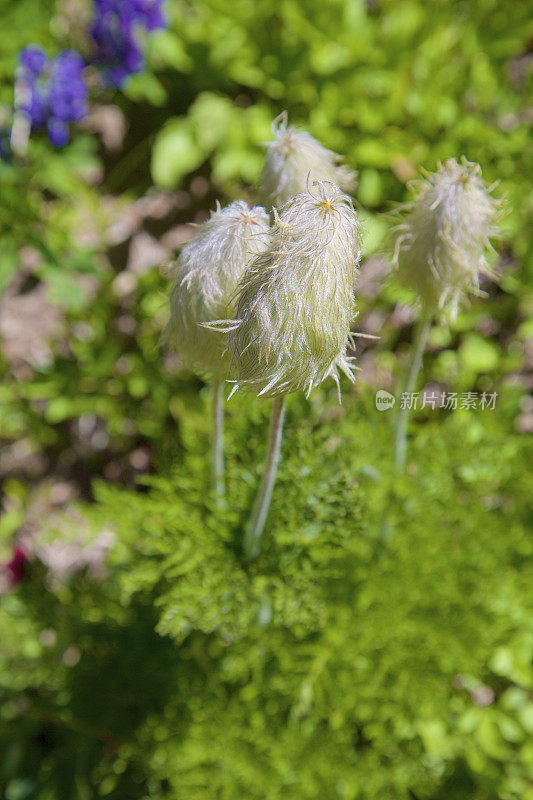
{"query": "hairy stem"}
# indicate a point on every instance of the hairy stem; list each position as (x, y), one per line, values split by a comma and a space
(254, 529)
(217, 444)
(419, 346)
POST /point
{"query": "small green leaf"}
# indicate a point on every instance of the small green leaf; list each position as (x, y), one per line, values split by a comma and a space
(478, 354)
(175, 153)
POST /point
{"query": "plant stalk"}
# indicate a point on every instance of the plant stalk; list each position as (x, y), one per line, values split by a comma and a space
(256, 523)
(417, 356)
(217, 437)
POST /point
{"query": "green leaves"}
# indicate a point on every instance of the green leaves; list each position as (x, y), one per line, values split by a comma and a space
(8, 261)
(478, 354)
(175, 153)
(403, 662)
(213, 128)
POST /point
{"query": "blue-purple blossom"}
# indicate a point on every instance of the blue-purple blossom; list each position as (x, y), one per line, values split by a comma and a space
(115, 31)
(33, 61)
(52, 92)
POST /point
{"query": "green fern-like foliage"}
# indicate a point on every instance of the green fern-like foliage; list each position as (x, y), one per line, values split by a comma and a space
(377, 648)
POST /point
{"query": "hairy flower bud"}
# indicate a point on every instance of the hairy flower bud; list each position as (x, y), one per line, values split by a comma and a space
(295, 159)
(207, 274)
(296, 301)
(442, 242)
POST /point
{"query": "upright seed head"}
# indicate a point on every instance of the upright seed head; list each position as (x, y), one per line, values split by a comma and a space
(296, 301)
(207, 274)
(295, 159)
(441, 245)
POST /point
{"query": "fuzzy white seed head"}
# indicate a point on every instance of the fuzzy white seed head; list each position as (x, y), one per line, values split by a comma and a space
(294, 160)
(442, 241)
(208, 271)
(296, 301)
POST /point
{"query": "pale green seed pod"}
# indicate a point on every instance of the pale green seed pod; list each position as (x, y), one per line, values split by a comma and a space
(294, 160)
(208, 271)
(442, 242)
(296, 301)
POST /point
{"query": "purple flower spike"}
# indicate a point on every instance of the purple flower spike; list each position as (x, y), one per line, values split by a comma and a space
(57, 132)
(33, 61)
(52, 93)
(115, 30)
(67, 91)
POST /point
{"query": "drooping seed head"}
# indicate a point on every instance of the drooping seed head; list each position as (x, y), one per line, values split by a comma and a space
(208, 271)
(296, 301)
(441, 245)
(294, 159)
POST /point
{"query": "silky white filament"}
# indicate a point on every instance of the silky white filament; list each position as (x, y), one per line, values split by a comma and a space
(295, 159)
(442, 242)
(207, 274)
(296, 301)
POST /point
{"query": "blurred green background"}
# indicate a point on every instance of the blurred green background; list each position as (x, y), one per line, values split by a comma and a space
(381, 646)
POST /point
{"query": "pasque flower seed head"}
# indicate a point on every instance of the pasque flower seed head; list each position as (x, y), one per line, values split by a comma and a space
(296, 301)
(294, 159)
(207, 274)
(442, 241)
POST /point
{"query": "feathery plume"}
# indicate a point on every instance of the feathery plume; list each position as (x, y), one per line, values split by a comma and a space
(296, 300)
(440, 252)
(207, 274)
(441, 245)
(294, 159)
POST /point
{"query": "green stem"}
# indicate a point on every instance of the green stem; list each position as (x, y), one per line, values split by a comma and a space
(217, 443)
(254, 529)
(419, 345)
